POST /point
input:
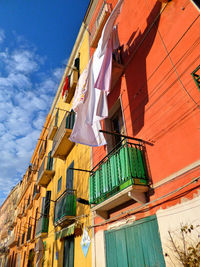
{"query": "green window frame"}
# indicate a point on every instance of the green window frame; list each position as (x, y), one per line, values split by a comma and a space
(59, 184)
(196, 76)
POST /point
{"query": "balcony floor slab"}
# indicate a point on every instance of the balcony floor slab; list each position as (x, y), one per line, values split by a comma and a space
(136, 192)
(45, 177)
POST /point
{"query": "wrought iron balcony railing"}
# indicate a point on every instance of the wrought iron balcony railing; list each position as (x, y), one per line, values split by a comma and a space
(36, 192)
(53, 126)
(42, 149)
(65, 207)
(73, 82)
(42, 226)
(123, 167)
(61, 143)
(46, 172)
(35, 166)
(19, 213)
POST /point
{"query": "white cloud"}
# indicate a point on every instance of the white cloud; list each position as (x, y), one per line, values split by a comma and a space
(24, 104)
(20, 61)
(2, 36)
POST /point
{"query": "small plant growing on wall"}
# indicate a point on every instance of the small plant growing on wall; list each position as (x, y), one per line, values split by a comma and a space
(185, 246)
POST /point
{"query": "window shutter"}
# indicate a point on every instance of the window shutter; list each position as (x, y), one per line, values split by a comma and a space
(47, 203)
(70, 176)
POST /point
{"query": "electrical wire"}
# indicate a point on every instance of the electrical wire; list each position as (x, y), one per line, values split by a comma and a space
(175, 70)
(171, 51)
(169, 56)
(131, 211)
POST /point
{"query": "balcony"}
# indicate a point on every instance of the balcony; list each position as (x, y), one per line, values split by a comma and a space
(29, 174)
(118, 178)
(19, 213)
(42, 149)
(73, 83)
(61, 143)
(12, 241)
(36, 192)
(29, 233)
(13, 223)
(65, 208)
(35, 166)
(42, 226)
(101, 19)
(46, 172)
(53, 126)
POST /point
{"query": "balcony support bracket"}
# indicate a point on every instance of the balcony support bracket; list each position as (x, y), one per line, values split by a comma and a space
(103, 214)
(138, 196)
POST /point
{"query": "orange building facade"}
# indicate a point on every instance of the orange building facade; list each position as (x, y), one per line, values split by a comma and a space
(8, 216)
(22, 249)
(147, 177)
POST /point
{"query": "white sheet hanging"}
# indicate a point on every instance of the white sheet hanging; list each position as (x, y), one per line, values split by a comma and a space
(94, 108)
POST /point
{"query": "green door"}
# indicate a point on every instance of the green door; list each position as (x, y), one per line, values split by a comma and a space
(68, 258)
(137, 245)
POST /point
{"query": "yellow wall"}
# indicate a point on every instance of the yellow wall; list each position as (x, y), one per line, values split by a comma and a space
(81, 156)
(26, 190)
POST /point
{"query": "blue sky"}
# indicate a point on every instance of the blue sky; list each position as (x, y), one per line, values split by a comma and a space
(36, 39)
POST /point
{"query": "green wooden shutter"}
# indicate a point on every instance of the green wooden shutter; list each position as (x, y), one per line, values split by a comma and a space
(196, 72)
(68, 257)
(49, 162)
(70, 176)
(137, 245)
(47, 203)
(91, 189)
(43, 205)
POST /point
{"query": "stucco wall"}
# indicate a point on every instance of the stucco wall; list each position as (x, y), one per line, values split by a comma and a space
(171, 220)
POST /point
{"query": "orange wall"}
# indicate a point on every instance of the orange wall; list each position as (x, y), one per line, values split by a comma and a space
(156, 104)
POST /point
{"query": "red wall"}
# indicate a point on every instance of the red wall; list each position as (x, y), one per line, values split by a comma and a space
(161, 102)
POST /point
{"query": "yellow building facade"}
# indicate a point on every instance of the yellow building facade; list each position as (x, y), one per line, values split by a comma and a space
(8, 215)
(53, 212)
(67, 219)
(23, 242)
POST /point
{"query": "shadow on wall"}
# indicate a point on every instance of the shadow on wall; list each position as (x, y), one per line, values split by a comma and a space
(135, 74)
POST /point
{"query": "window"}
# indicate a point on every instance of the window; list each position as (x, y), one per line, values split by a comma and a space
(70, 176)
(43, 204)
(196, 76)
(46, 204)
(114, 123)
(68, 257)
(59, 184)
(196, 2)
